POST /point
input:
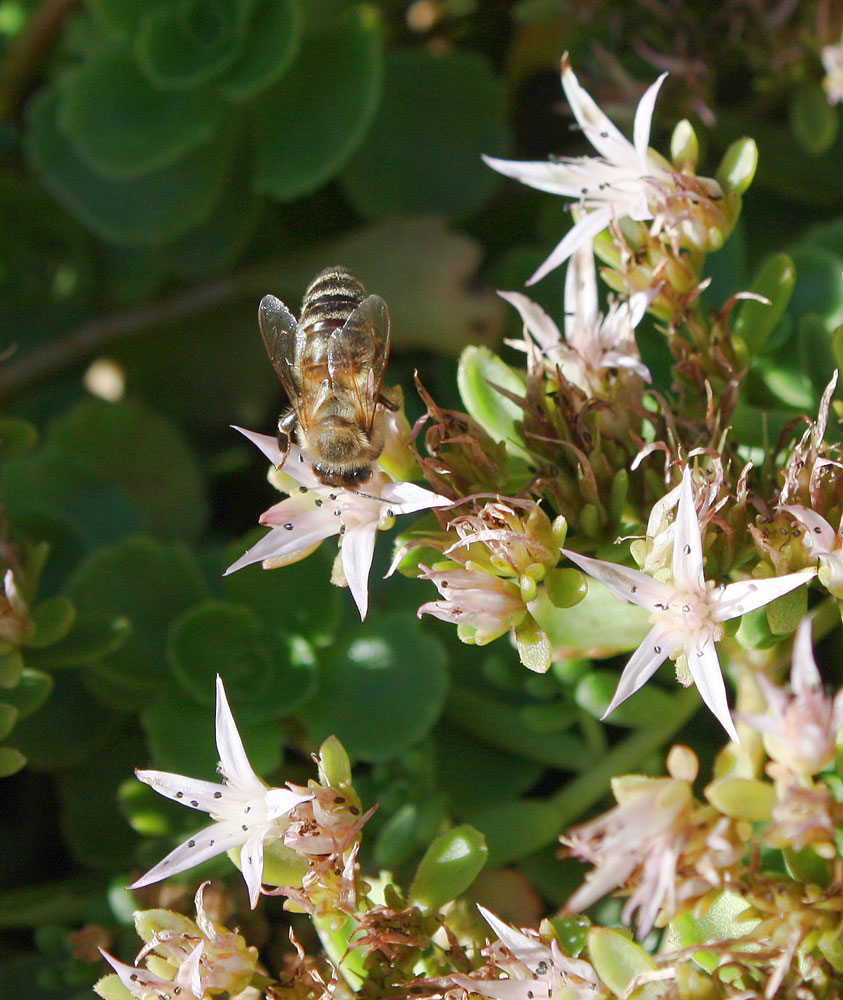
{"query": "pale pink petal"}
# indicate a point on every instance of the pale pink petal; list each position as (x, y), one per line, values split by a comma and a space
(629, 584)
(234, 763)
(688, 573)
(644, 118)
(542, 328)
(279, 801)
(614, 359)
(296, 464)
(804, 676)
(820, 535)
(656, 646)
(358, 549)
(526, 949)
(544, 175)
(280, 542)
(503, 989)
(578, 235)
(208, 843)
(581, 304)
(606, 138)
(406, 498)
(132, 977)
(251, 865)
(192, 792)
(737, 598)
(705, 669)
(188, 974)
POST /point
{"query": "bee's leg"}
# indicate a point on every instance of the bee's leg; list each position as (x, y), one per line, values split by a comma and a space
(390, 399)
(286, 424)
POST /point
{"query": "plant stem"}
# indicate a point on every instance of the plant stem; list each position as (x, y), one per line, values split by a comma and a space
(23, 60)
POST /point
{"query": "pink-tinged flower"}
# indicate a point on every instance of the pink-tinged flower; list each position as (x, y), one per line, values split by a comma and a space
(823, 542)
(688, 613)
(188, 958)
(627, 179)
(314, 512)
(534, 970)
(247, 813)
(486, 605)
(832, 59)
(592, 342)
(800, 730)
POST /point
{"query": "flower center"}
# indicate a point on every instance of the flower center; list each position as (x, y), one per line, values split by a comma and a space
(689, 617)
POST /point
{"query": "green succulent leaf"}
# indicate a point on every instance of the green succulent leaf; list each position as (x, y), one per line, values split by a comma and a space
(17, 437)
(11, 761)
(479, 375)
(124, 442)
(52, 620)
(617, 961)
(271, 44)
(185, 44)
(263, 681)
(306, 127)
(155, 208)
(31, 691)
(122, 126)
(422, 153)
(813, 121)
(449, 866)
(382, 687)
(149, 584)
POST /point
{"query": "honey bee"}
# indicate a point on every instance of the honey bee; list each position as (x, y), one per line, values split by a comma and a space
(331, 364)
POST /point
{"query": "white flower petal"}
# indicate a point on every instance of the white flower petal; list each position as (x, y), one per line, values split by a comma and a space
(688, 573)
(747, 595)
(358, 549)
(234, 763)
(279, 801)
(132, 977)
(251, 865)
(820, 535)
(526, 949)
(644, 118)
(613, 359)
(541, 327)
(629, 584)
(208, 843)
(581, 303)
(188, 976)
(656, 646)
(279, 542)
(705, 669)
(804, 676)
(406, 498)
(192, 792)
(296, 465)
(578, 235)
(543, 175)
(504, 989)
(606, 138)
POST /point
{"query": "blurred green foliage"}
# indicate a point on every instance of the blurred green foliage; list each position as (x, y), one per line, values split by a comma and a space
(163, 164)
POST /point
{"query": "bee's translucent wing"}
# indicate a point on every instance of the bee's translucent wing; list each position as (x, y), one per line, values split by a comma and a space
(281, 335)
(361, 348)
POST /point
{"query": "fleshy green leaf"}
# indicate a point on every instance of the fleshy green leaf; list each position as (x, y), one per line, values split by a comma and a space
(738, 166)
(517, 828)
(52, 620)
(262, 680)
(742, 798)
(422, 155)
(594, 693)
(184, 45)
(32, 690)
(17, 437)
(307, 126)
(125, 442)
(8, 717)
(754, 321)
(11, 761)
(598, 626)
(617, 961)
(155, 208)
(381, 688)
(479, 372)
(449, 866)
(120, 17)
(721, 921)
(272, 42)
(149, 584)
(814, 122)
(122, 126)
(87, 642)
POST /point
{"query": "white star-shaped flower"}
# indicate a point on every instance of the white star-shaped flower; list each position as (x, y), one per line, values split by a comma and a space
(627, 179)
(832, 60)
(314, 512)
(247, 813)
(592, 341)
(687, 613)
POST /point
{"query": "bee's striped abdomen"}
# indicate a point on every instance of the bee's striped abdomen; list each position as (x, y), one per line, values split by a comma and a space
(330, 298)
